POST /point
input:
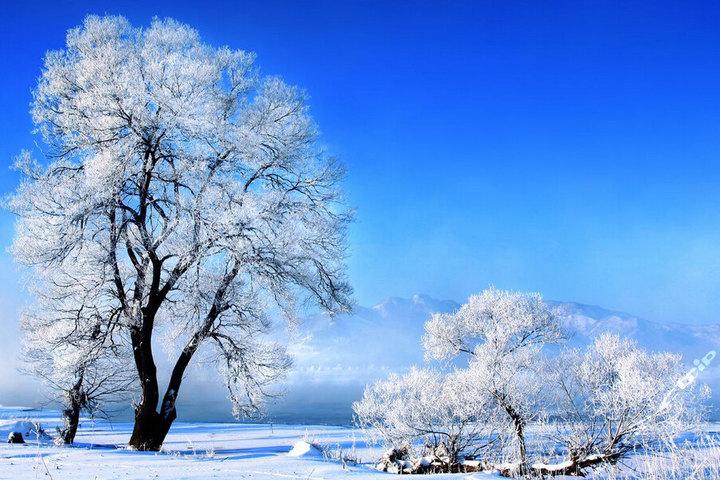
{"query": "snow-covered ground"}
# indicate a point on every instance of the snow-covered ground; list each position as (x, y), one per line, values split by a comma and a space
(191, 451)
(238, 451)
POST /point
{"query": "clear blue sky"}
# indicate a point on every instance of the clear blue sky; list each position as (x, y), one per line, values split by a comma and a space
(566, 147)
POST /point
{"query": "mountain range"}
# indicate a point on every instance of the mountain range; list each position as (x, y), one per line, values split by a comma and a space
(340, 355)
(387, 335)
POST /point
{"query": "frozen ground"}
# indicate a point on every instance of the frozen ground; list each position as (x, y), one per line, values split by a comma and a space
(192, 451)
(230, 451)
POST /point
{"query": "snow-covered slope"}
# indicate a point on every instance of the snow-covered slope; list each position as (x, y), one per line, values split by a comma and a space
(192, 451)
(222, 451)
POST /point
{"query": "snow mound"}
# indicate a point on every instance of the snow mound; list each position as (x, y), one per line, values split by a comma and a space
(305, 449)
(30, 431)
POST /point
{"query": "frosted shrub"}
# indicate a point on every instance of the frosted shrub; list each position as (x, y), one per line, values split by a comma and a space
(433, 414)
(616, 398)
(502, 335)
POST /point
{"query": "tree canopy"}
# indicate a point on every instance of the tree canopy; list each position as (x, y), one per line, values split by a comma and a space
(183, 188)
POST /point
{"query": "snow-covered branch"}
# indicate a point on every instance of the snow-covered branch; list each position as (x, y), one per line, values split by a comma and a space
(172, 163)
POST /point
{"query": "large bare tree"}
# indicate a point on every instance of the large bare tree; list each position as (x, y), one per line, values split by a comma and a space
(192, 191)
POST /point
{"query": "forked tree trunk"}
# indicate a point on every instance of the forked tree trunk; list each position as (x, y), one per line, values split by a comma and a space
(150, 429)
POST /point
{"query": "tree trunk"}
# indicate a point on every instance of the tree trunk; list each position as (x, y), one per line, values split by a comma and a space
(71, 420)
(519, 425)
(150, 429)
(76, 400)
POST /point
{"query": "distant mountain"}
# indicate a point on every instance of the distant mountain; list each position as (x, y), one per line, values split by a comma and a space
(585, 322)
(366, 344)
(387, 336)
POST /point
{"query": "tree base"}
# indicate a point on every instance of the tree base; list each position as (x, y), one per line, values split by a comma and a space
(150, 430)
(576, 467)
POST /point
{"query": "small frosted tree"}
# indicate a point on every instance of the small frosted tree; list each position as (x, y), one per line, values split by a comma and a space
(193, 192)
(480, 405)
(93, 386)
(616, 398)
(68, 345)
(440, 411)
(502, 333)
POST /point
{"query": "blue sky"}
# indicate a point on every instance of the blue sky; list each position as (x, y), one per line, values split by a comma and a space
(565, 147)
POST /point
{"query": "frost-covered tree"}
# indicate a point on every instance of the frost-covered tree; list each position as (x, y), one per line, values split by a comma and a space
(482, 402)
(612, 399)
(94, 384)
(192, 191)
(502, 333)
(616, 398)
(84, 374)
(440, 411)
(70, 343)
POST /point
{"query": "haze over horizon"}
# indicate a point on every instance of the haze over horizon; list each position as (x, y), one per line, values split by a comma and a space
(340, 356)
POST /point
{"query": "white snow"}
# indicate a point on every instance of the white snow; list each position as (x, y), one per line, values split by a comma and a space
(305, 449)
(193, 451)
(30, 430)
(199, 451)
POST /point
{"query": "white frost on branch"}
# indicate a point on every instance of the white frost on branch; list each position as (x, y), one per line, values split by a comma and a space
(616, 397)
(496, 321)
(441, 411)
(502, 333)
(479, 408)
(189, 190)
